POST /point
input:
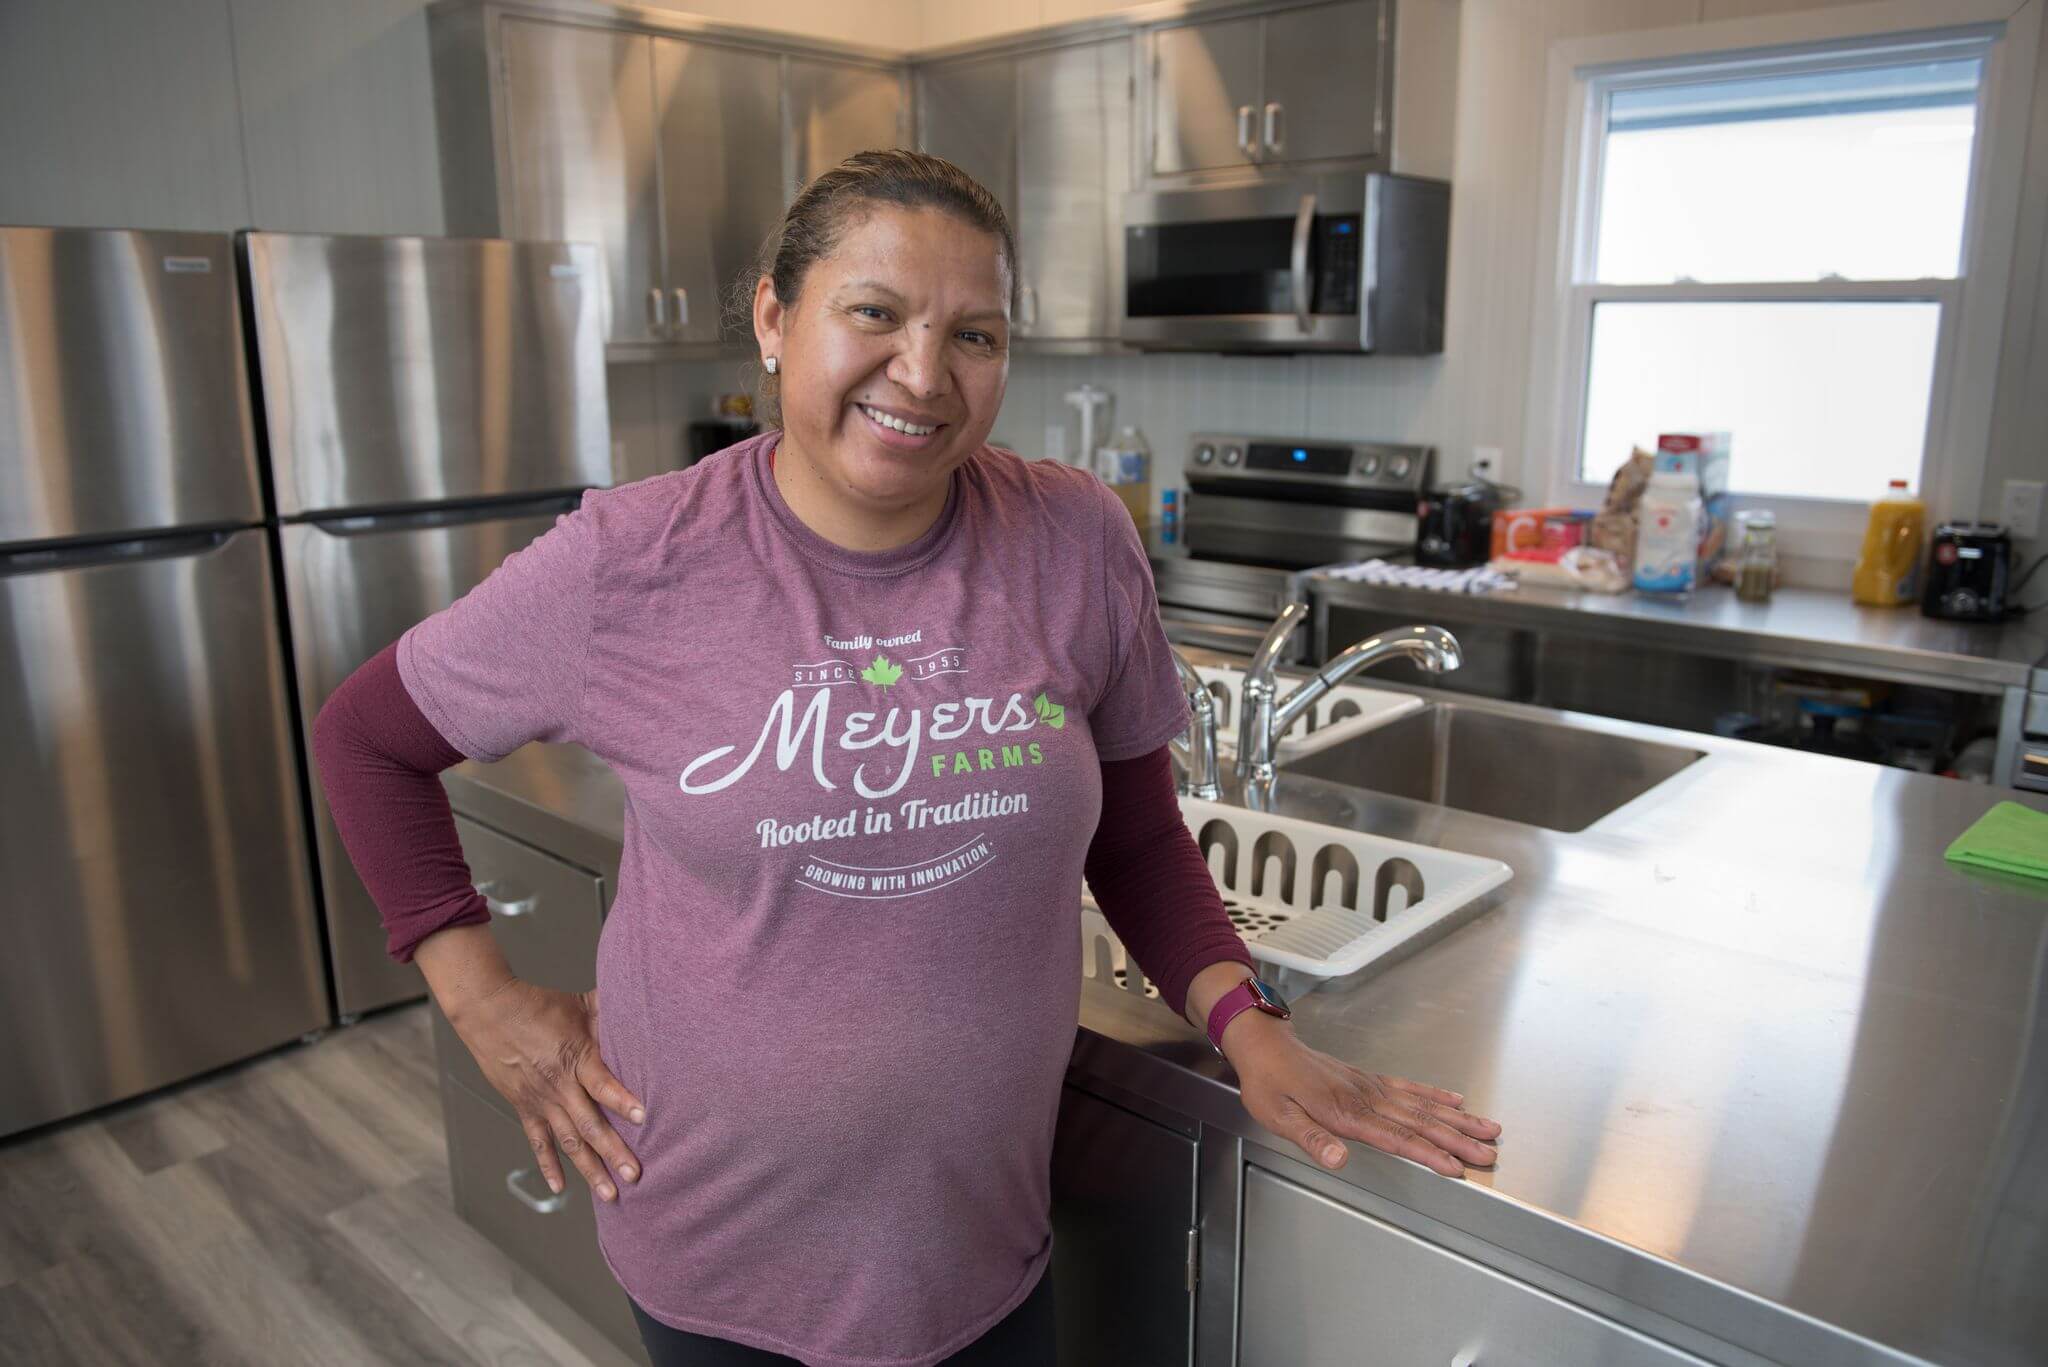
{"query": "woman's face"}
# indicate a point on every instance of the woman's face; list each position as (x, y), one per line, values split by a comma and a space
(905, 325)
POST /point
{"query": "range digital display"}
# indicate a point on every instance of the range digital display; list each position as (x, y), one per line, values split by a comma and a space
(1300, 460)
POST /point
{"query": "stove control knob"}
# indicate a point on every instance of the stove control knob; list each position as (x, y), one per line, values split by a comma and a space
(1233, 456)
(1369, 464)
(1399, 466)
(1205, 454)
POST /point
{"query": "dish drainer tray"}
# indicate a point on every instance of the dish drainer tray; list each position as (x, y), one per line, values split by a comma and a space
(1313, 902)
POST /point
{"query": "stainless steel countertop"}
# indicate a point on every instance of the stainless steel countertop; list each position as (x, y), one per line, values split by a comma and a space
(1770, 1070)
(1798, 627)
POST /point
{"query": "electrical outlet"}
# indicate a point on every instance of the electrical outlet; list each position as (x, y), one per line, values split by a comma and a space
(1056, 441)
(2021, 511)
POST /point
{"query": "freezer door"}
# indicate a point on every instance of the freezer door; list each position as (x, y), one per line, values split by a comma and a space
(157, 909)
(123, 401)
(354, 586)
(398, 370)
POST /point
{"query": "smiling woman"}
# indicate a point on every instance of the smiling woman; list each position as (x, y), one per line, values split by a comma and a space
(884, 303)
(880, 695)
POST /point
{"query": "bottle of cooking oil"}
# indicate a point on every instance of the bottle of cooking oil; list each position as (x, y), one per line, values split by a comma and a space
(1126, 466)
(1888, 570)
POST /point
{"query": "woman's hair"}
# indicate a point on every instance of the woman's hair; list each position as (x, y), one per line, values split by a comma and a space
(823, 210)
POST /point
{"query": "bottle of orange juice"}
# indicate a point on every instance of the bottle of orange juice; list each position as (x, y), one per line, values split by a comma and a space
(1888, 571)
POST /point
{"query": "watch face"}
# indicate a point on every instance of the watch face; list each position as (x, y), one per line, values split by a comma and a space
(1270, 999)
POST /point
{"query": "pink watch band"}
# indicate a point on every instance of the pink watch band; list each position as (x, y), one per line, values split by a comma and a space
(1244, 997)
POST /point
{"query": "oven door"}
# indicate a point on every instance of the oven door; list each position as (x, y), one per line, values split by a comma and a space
(1274, 267)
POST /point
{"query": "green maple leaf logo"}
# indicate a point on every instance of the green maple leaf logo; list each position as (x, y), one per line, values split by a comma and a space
(882, 672)
(1049, 712)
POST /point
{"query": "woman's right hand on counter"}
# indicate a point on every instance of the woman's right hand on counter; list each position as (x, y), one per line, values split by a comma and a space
(538, 1048)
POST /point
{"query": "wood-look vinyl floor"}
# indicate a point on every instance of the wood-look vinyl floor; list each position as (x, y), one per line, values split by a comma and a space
(292, 1210)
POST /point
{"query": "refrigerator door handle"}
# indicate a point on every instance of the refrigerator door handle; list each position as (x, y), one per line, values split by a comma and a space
(126, 551)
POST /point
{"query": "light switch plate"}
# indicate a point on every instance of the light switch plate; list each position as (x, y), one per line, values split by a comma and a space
(2021, 508)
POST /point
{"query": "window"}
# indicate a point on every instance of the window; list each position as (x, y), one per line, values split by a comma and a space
(1773, 247)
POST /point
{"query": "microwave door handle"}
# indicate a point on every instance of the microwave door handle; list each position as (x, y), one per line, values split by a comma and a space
(1304, 220)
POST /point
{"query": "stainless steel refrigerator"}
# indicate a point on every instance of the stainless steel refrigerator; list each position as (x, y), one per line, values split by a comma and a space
(156, 904)
(428, 405)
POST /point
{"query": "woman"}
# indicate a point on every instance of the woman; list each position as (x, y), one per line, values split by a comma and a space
(877, 693)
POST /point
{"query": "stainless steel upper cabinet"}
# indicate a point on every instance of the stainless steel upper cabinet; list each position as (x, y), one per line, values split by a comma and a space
(967, 113)
(1205, 96)
(421, 369)
(720, 119)
(1073, 168)
(579, 115)
(1322, 83)
(837, 109)
(1294, 85)
(123, 401)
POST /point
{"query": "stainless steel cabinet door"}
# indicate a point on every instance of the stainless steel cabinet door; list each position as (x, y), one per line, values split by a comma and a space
(580, 126)
(720, 116)
(1205, 96)
(123, 401)
(354, 587)
(1073, 168)
(967, 113)
(157, 914)
(1123, 1202)
(1326, 1286)
(837, 109)
(498, 1189)
(1322, 83)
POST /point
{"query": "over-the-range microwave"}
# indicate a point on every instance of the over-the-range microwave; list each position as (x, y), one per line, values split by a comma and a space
(1324, 263)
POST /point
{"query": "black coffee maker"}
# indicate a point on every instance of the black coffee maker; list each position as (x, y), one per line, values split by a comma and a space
(1969, 572)
(1454, 527)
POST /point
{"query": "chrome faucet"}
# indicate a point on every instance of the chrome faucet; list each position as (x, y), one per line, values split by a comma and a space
(1264, 716)
(1197, 751)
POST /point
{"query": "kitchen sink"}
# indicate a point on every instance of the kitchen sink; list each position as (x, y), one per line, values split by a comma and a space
(1562, 778)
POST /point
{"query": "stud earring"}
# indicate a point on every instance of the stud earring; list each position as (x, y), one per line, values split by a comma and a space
(769, 363)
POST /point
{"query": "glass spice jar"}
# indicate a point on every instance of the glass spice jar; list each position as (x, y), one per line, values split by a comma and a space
(1756, 564)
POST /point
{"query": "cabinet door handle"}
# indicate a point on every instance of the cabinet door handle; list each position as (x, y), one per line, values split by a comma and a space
(1244, 131)
(1276, 127)
(1027, 306)
(682, 307)
(539, 1205)
(518, 906)
(656, 322)
(1304, 219)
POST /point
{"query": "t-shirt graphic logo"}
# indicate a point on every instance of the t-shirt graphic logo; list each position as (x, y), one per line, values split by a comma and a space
(882, 672)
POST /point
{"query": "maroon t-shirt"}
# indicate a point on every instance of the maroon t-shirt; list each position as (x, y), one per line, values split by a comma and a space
(842, 966)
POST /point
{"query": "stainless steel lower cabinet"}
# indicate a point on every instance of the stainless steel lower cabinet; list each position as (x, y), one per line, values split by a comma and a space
(1326, 1286)
(546, 914)
(1123, 1207)
(499, 1189)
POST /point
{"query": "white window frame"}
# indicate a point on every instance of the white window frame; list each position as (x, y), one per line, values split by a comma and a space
(2005, 33)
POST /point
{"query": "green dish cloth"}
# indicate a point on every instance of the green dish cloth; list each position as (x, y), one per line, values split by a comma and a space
(2009, 838)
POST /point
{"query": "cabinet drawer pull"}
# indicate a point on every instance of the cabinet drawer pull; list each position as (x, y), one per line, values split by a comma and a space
(1276, 127)
(656, 310)
(1244, 131)
(682, 307)
(540, 1205)
(517, 906)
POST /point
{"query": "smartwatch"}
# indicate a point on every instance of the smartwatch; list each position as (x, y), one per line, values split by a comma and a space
(1249, 995)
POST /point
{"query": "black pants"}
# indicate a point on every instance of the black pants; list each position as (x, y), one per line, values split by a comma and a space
(1022, 1338)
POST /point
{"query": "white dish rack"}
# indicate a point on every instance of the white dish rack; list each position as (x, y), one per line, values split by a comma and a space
(1342, 712)
(1313, 902)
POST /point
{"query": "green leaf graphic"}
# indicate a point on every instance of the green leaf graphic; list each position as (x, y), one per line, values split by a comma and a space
(1049, 712)
(882, 672)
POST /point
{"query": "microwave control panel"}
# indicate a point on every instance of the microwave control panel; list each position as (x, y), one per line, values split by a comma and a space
(1337, 263)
